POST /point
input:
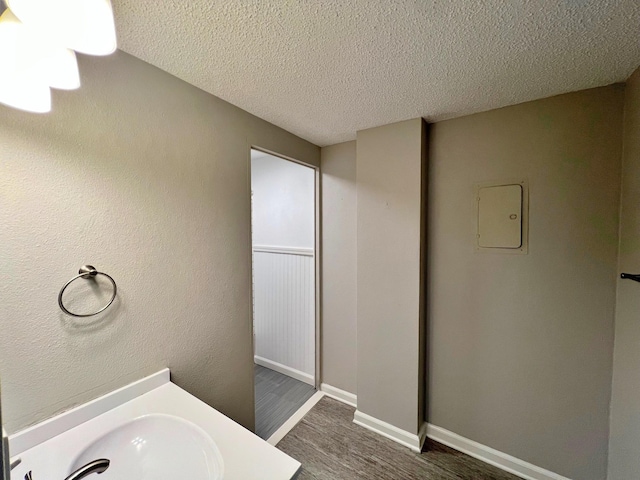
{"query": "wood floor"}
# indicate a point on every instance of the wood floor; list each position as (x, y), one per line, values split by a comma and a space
(277, 398)
(331, 447)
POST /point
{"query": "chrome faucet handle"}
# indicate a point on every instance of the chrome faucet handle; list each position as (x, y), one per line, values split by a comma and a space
(97, 466)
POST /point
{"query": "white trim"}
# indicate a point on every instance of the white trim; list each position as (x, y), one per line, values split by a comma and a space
(491, 456)
(32, 436)
(285, 370)
(340, 395)
(307, 252)
(422, 434)
(317, 230)
(287, 426)
(410, 440)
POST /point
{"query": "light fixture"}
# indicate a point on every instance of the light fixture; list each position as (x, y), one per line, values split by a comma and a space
(37, 43)
(21, 60)
(86, 26)
(60, 69)
(32, 96)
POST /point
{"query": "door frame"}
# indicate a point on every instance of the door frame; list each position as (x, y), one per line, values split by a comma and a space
(317, 254)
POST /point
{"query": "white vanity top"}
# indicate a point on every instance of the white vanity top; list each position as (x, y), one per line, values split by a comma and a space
(50, 449)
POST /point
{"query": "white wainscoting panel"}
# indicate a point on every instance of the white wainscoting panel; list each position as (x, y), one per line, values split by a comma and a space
(284, 306)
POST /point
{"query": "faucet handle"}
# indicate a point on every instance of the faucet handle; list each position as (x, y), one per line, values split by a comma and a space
(97, 466)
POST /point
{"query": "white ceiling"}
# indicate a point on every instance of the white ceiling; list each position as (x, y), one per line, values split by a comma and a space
(325, 69)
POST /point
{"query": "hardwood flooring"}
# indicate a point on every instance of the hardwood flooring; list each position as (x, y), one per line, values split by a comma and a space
(277, 398)
(331, 447)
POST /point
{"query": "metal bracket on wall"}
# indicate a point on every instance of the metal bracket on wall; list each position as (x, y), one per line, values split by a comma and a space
(631, 276)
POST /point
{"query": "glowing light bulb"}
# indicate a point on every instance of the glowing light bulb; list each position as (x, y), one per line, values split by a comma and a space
(60, 69)
(29, 96)
(86, 26)
(21, 60)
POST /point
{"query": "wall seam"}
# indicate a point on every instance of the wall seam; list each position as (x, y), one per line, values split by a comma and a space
(618, 267)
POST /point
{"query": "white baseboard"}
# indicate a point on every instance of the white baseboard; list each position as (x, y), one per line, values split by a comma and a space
(285, 370)
(491, 456)
(410, 440)
(294, 419)
(340, 395)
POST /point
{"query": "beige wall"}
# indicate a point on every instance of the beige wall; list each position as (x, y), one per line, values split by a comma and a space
(624, 454)
(339, 232)
(147, 178)
(520, 346)
(389, 189)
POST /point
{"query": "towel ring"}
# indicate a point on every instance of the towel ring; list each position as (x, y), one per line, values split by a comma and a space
(87, 272)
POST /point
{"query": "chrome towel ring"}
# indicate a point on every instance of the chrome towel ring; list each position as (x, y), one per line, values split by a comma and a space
(87, 272)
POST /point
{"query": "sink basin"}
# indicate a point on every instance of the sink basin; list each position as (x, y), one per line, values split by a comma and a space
(148, 430)
(155, 447)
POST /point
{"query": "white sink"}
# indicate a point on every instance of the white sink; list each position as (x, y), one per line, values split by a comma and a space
(149, 430)
(155, 447)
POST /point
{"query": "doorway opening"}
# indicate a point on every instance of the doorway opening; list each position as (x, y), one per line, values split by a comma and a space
(284, 269)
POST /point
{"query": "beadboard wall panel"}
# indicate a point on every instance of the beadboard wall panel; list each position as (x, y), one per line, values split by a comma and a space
(284, 306)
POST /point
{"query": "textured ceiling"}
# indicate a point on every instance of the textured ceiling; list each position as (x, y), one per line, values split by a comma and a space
(325, 69)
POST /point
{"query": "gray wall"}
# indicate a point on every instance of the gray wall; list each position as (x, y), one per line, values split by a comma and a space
(389, 188)
(624, 455)
(520, 346)
(147, 178)
(339, 233)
